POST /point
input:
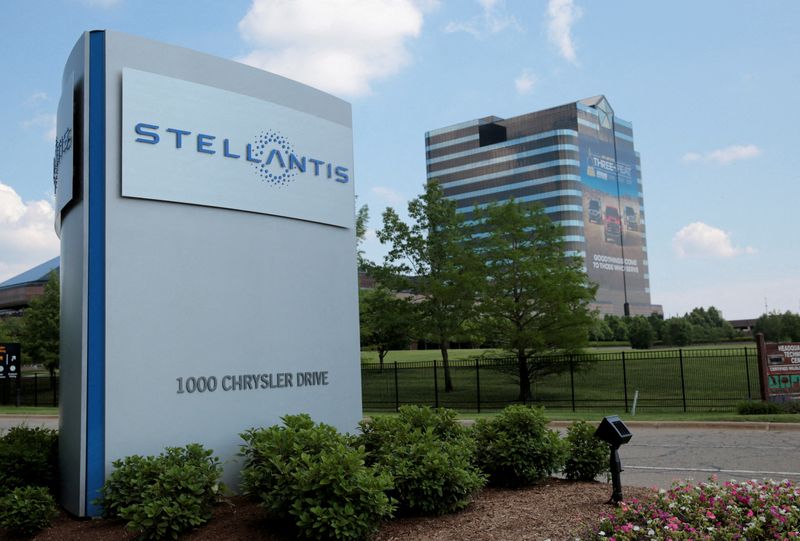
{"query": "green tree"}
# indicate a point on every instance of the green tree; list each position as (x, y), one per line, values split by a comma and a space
(709, 325)
(533, 298)
(640, 333)
(656, 321)
(430, 259)
(778, 327)
(40, 326)
(362, 218)
(600, 331)
(618, 326)
(387, 321)
(10, 329)
(677, 332)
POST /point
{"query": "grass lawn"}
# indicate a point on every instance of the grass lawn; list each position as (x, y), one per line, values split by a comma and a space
(702, 380)
(25, 410)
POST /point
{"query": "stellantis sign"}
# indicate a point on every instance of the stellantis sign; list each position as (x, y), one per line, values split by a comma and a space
(208, 262)
(216, 150)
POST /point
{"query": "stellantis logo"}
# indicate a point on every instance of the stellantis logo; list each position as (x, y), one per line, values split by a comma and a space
(63, 145)
(273, 157)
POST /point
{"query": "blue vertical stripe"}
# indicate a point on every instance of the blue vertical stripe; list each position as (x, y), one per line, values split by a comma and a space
(96, 339)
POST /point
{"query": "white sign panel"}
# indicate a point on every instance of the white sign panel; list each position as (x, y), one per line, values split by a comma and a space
(190, 143)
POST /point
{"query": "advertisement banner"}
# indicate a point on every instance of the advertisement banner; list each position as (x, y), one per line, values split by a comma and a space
(613, 216)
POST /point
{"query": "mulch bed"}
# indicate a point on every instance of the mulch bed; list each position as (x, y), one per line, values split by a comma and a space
(555, 509)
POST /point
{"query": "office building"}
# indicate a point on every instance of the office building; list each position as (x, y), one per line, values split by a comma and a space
(579, 163)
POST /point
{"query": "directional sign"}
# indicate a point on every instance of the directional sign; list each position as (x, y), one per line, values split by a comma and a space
(10, 361)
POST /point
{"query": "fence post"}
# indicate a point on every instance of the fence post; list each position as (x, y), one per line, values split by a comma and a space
(625, 381)
(396, 390)
(478, 381)
(683, 381)
(747, 371)
(35, 389)
(54, 384)
(435, 384)
(572, 381)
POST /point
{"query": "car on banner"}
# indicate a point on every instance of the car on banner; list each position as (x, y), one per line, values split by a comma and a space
(631, 223)
(595, 216)
(613, 225)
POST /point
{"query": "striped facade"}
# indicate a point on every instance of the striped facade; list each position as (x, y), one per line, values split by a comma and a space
(537, 158)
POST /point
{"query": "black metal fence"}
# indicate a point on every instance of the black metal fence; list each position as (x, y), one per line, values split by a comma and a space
(33, 390)
(659, 380)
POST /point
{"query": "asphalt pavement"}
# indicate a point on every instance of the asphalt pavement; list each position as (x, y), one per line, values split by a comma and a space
(658, 456)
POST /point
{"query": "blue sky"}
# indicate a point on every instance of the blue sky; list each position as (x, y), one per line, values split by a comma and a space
(711, 88)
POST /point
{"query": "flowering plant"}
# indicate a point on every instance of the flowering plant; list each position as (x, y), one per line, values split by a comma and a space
(732, 510)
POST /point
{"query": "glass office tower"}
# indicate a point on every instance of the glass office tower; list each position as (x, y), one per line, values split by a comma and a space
(578, 162)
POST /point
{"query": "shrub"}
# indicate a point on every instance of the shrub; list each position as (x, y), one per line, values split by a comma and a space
(640, 333)
(429, 455)
(165, 495)
(28, 457)
(27, 510)
(516, 448)
(757, 408)
(708, 511)
(312, 474)
(587, 456)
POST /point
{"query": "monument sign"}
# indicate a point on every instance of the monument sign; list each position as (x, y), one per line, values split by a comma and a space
(208, 258)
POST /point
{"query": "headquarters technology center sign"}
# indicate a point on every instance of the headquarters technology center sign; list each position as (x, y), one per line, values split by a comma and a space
(206, 216)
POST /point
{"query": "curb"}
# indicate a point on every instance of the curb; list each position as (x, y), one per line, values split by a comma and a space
(708, 425)
(705, 425)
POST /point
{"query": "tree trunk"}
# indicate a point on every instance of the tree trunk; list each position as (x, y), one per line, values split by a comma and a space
(448, 381)
(525, 394)
(381, 354)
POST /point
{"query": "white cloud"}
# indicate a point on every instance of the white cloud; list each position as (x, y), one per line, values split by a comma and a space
(734, 153)
(724, 156)
(389, 196)
(27, 237)
(702, 240)
(492, 19)
(36, 98)
(46, 122)
(525, 82)
(340, 46)
(562, 14)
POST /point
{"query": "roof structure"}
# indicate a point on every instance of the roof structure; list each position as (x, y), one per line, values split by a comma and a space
(39, 273)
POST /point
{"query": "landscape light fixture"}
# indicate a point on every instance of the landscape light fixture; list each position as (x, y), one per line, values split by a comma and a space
(614, 432)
